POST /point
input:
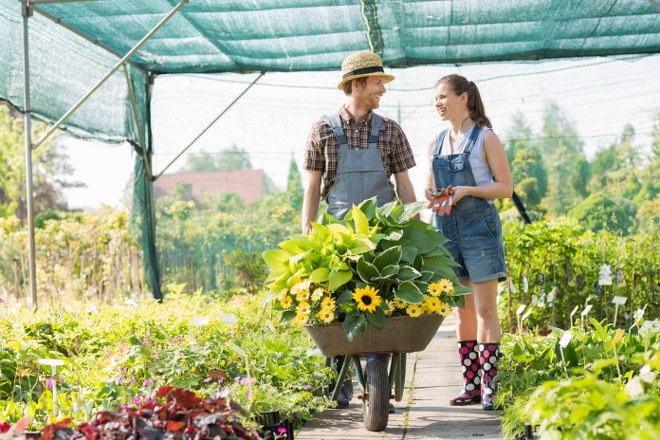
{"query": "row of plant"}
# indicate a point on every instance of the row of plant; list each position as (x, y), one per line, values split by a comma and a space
(555, 267)
(598, 382)
(116, 356)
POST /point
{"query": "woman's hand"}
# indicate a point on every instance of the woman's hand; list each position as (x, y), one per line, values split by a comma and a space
(460, 192)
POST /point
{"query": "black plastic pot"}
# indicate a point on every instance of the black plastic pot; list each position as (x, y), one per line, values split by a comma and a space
(271, 426)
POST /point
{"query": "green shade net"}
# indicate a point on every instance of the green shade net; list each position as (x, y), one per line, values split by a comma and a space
(73, 45)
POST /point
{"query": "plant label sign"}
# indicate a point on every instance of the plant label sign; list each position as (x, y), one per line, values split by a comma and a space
(229, 318)
(553, 294)
(521, 309)
(586, 310)
(619, 300)
(563, 342)
(271, 326)
(527, 313)
(199, 321)
(237, 349)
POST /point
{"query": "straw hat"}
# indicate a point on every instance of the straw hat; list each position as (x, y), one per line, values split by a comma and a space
(362, 64)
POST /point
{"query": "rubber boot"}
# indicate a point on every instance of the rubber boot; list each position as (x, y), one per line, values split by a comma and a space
(489, 355)
(468, 352)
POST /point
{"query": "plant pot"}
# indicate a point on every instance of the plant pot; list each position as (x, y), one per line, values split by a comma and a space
(401, 334)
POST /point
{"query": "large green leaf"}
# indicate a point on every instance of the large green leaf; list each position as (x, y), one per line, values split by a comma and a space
(407, 273)
(388, 257)
(367, 271)
(320, 275)
(338, 278)
(275, 258)
(409, 293)
(361, 222)
(362, 245)
(416, 233)
(288, 315)
(369, 207)
(354, 323)
(377, 318)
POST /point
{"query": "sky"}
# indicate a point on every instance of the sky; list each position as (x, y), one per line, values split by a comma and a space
(272, 120)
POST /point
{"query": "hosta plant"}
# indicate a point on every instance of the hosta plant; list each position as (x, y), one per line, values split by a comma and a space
(376, 262)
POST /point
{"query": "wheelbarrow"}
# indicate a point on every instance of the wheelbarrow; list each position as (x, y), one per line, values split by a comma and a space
(400, 335)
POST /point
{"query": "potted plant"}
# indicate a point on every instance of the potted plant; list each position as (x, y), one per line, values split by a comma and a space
(376, 263)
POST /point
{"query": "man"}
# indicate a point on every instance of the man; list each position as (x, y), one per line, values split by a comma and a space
(350, 156)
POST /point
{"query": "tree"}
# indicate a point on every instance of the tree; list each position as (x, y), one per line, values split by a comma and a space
(50, 169)
(232, 158)
(649, 182)
(561, 148)
(581, 176)
(294, 188)
(601, 212)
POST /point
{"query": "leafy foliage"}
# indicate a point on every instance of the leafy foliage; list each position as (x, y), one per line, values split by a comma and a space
(375, 262)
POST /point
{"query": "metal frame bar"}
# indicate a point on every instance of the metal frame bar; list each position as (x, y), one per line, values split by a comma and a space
(125, 58)
(27, 127)
(50, 2)
(210, 125)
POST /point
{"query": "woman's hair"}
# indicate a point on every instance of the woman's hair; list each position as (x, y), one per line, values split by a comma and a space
(460, 84)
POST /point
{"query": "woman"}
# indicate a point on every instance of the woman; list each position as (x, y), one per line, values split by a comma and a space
(470, 157)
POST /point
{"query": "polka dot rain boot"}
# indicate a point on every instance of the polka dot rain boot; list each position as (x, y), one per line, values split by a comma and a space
(468, 352)
(489, 354)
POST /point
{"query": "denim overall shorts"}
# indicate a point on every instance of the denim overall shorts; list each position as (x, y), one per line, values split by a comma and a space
(473, 227)
(360, 173)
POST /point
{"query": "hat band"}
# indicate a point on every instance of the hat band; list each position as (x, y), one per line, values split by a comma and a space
(363, 71)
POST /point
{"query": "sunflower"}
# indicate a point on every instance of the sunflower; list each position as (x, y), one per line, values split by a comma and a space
(434, 289)
(328, 303)
(446, 286)
(317, 294)
(432, 304)
(415, 310)
(444, 310)
(326, 315)
(286, 302)
(367, 298)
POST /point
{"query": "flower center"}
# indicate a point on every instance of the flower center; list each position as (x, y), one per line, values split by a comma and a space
(366, 300)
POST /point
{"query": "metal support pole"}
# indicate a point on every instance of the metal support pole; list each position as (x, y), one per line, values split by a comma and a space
(27, 126)
(124, 59)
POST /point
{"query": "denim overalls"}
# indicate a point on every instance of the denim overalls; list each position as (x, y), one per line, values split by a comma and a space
(360, 173)
(473, 227)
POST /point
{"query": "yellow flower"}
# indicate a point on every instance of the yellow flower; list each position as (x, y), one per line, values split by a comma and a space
(318, 294)
(286, 302)
(301, 319)
(415, 310)
(326, 315)
(300, 285)
(303, 309)
(433, 304)
(281, 294)
(329, 303)
(399, 304)
(391, 306)
(444, 310)
(434, 289)
(302, 294)
(446, 286)
(367, 298)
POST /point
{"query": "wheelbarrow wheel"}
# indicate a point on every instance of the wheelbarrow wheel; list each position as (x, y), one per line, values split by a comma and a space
(375, 405)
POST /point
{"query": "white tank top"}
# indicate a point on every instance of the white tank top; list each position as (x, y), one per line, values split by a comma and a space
(480, 169)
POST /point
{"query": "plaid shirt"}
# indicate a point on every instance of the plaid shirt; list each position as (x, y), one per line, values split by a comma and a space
(322, 149)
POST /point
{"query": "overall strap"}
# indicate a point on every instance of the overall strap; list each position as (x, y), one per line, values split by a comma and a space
(334, 121)
(472, 140)
(377, 125)
(437, 148)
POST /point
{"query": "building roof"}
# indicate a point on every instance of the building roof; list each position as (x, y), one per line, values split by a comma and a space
(248, 184)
